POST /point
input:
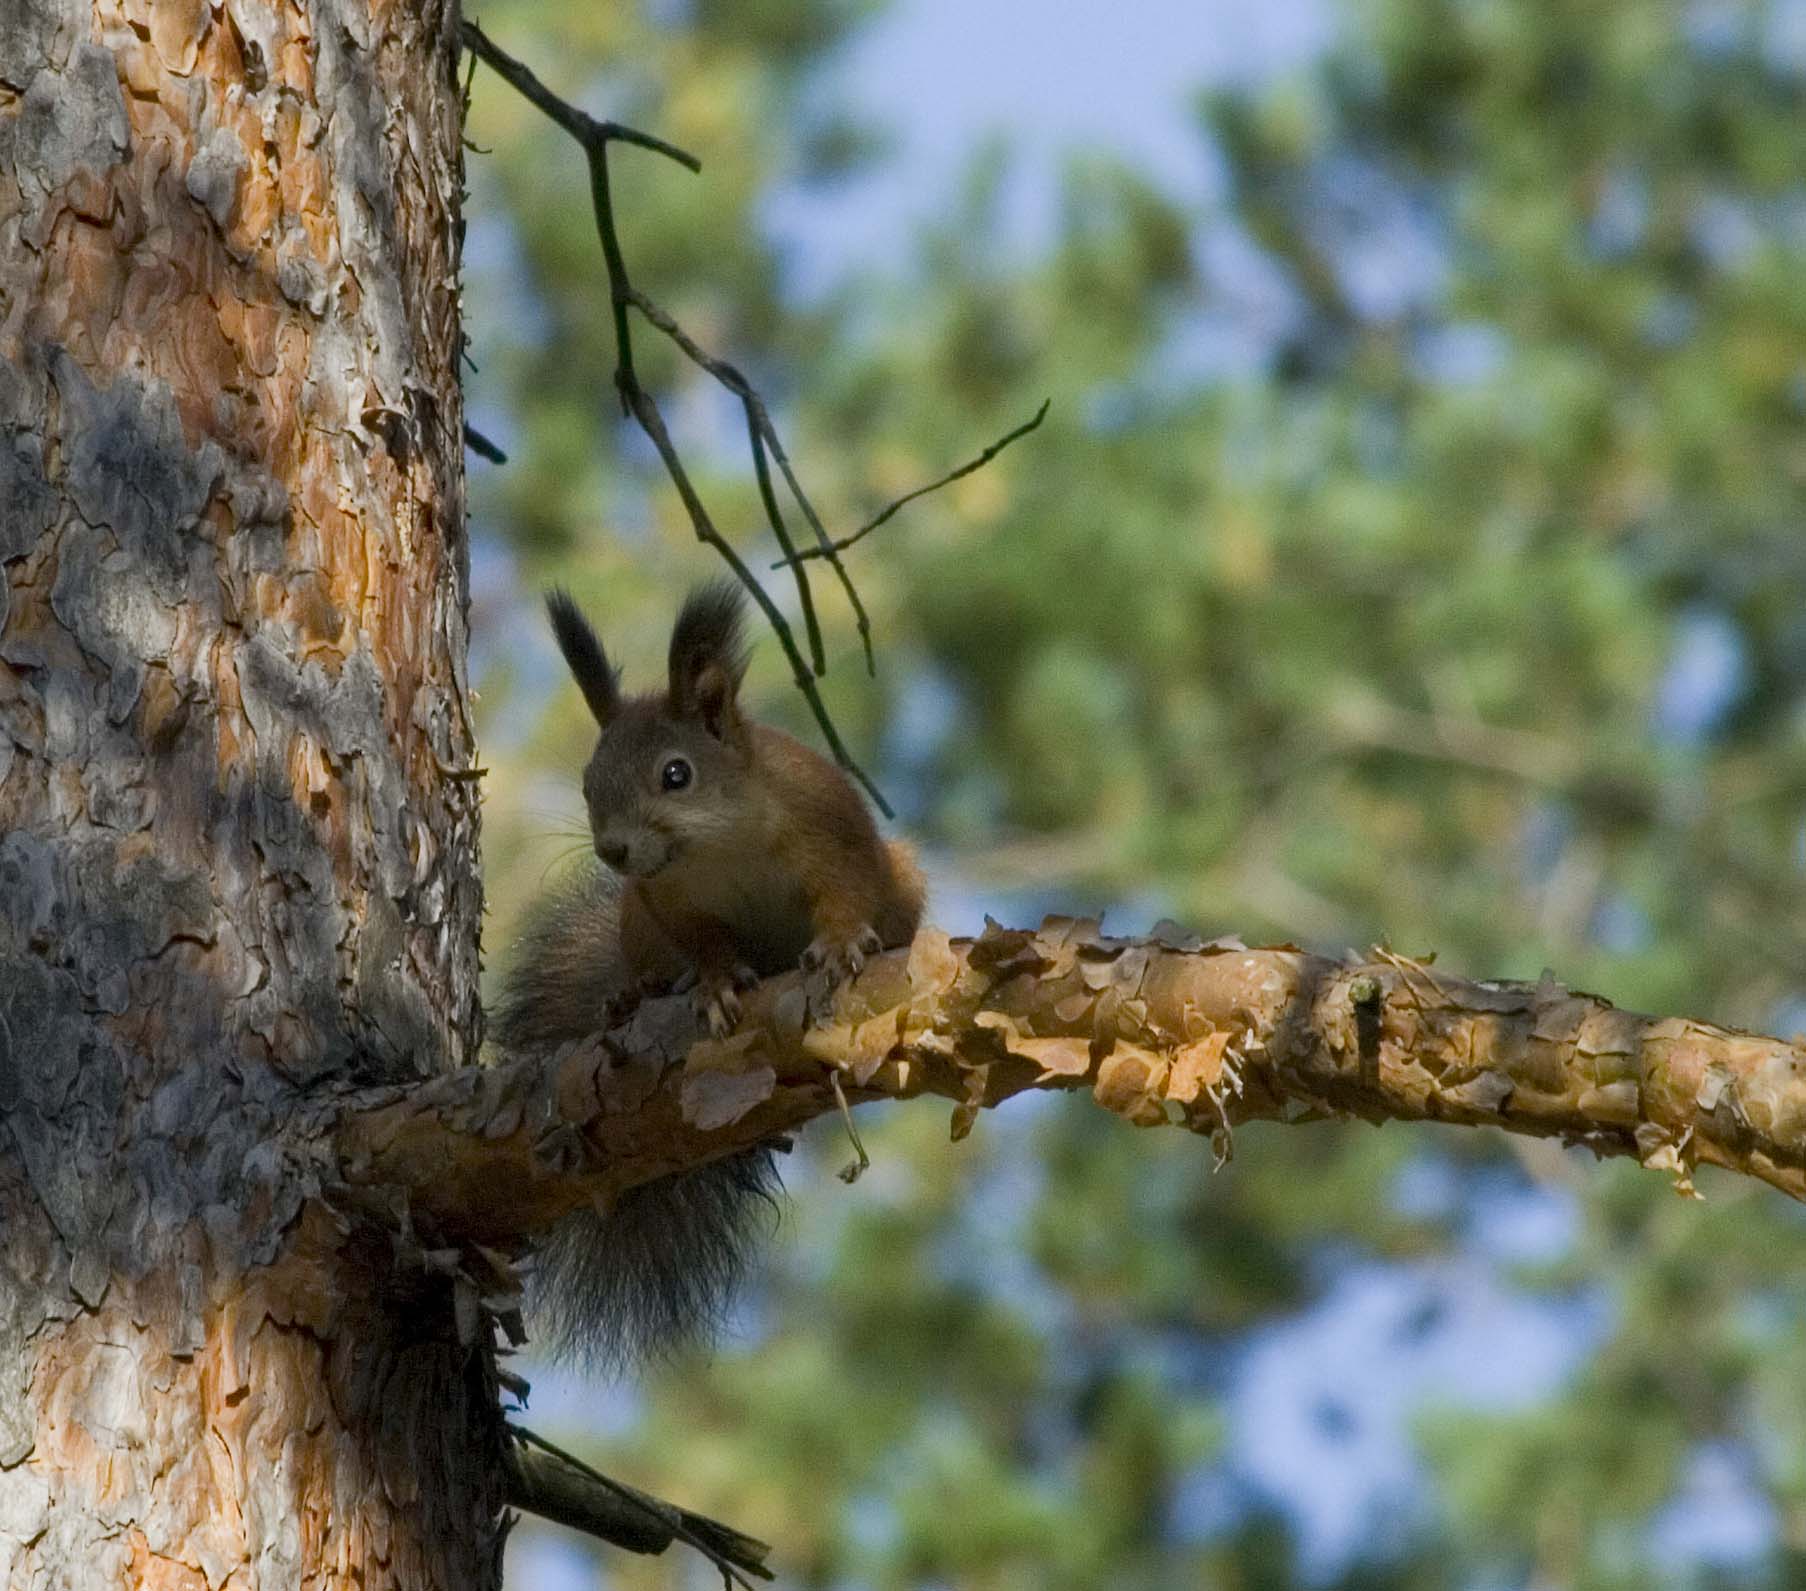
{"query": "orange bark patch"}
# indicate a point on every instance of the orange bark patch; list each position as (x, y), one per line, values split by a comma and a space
(1197, 1068)
(153, 1572)
(176, 29)
(1129, 1081)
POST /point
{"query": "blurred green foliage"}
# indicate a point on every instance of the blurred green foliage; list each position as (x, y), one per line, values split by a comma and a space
(1458, 606)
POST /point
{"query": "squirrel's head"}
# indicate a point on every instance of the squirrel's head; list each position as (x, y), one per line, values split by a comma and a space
(669, 773)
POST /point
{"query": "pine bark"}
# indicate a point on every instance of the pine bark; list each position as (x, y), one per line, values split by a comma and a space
(237, 858)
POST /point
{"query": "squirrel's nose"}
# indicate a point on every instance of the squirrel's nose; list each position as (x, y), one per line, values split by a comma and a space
(612, 852)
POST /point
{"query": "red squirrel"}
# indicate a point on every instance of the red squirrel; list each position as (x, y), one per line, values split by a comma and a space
(731, 852)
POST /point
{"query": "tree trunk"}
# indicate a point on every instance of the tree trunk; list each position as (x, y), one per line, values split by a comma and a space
(239, 852)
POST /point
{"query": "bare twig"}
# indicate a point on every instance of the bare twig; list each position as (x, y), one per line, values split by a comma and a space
(482, 446)
(586, 129)
(755, 440)
(546, 1480)
(642, 407)
(595, 136)
(759, 423)
(861, 1162)
(756, 405)
(832, 548)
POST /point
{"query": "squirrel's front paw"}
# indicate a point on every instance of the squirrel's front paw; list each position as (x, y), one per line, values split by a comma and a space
(717, 1000)
(831, 961)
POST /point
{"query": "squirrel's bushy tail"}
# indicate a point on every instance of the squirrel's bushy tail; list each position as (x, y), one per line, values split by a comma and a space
(660, 1269)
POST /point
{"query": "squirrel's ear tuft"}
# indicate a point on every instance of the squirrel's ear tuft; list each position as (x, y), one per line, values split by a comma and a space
(708, 656)
(582, 650)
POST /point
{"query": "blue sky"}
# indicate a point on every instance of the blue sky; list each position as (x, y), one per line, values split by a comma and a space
(940, 77)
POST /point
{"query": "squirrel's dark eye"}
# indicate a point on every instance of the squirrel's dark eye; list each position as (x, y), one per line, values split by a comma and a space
(676, 774)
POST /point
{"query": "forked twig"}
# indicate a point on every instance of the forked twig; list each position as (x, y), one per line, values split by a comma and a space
(582, 126)
(595, 136)
(767, 446)
(759, 426)
(948, 479)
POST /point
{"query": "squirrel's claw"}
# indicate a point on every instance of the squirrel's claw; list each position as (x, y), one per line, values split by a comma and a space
(718, 1007)
(716, 1001)
(829, 962)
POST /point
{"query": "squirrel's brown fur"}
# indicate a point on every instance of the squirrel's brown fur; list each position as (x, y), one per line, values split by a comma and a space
(735, 852)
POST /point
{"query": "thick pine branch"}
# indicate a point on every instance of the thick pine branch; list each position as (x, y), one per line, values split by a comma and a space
(1205, 1037)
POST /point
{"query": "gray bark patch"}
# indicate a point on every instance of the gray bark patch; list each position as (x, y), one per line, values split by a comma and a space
(300, 279)
(29, 502)
(402, 1033)
(358, 131)
(260, 514)
(213, 175)
(28, 892)
(41, 1028)
(345, 715)
(124, 915)
(64, 1166)
(22, 389)
(130, 469)
(24, 1504)
(101, 597)
(71, 121)
(37, 34)
(94, 918)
